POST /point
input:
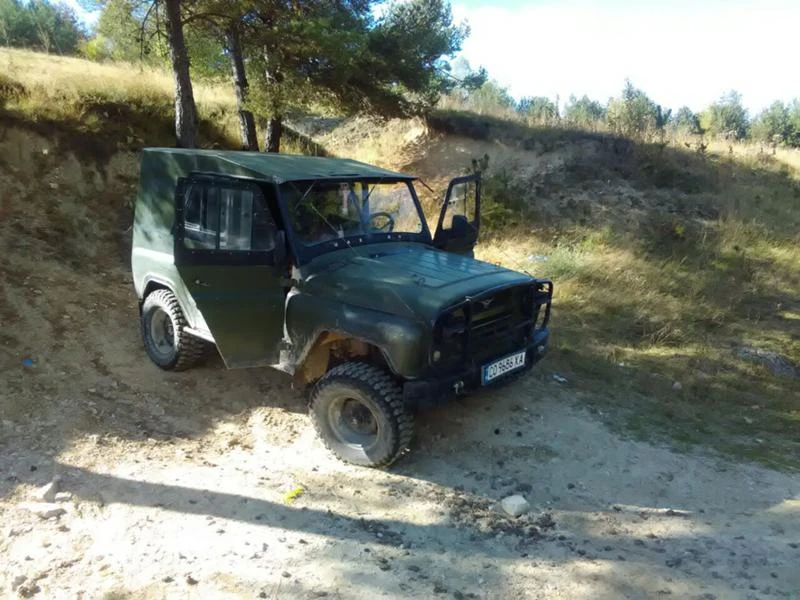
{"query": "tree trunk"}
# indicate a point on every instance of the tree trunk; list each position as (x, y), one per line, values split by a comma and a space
(272, 143)
(185, 109)
(247, 124)
(273, 77)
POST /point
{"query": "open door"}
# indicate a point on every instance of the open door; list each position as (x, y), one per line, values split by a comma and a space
(459, 221)
(230, 255)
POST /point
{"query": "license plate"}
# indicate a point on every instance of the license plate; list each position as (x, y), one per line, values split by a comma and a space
(502, 366)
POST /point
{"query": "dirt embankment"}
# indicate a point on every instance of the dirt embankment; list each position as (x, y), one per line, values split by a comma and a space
(210, 483)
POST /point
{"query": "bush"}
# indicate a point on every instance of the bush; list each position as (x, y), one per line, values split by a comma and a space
(727, 117)
(633, 114)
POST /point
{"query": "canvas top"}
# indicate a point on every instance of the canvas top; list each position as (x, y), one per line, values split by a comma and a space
(278, 168)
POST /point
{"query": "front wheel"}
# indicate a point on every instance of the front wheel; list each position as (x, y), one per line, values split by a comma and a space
(358, 412)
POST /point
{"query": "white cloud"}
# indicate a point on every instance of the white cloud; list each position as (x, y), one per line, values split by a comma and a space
(681, 52)
(88, 17)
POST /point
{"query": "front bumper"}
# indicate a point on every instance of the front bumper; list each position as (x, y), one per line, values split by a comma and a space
(440, 389)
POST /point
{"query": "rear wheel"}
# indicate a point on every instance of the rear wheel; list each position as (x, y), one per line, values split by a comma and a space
(165, 340)
(358, 412)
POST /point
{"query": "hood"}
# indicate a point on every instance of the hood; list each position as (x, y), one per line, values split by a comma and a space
(410, 280)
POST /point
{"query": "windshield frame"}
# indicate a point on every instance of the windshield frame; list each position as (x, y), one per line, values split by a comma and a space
(305, 253)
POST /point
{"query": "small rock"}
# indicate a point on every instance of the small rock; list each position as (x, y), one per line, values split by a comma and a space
(47, 493)
(558, 378)
(674, 562)
(29, 591)
(63, 497)
(438, 588)
(677, 387)
(191, 580)
(44, 510)
(779, 365)
(18, 581)
(286, 574)
(515, 505)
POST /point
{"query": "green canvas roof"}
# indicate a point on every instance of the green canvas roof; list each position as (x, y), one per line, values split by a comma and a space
(278, 167)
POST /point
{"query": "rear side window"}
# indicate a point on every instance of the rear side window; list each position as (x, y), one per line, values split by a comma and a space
(226, 217)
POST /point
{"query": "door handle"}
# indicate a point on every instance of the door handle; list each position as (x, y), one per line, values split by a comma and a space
(198, 282)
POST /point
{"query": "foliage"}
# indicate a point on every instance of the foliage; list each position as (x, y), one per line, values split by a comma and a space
(726, 117)
(584, 112)
(489, 99)
(502, 194)
(685, 121)
(408, 46)
(633, 113)
(773, 124)
(539, 109)
(39, 25)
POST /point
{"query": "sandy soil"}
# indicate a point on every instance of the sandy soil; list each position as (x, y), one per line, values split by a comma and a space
(188, 485)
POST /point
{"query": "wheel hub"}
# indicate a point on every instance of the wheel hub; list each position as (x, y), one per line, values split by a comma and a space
(162, 332)
(353, 422)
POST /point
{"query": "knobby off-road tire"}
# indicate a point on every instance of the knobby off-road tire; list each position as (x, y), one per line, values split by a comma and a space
(165, 341)
(358, 412)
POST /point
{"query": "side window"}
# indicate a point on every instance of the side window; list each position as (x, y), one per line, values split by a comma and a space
(460, 203)
(227, 217)
(201, 217)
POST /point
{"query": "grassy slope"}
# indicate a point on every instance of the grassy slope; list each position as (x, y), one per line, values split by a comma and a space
(665, 261)
(104, 106)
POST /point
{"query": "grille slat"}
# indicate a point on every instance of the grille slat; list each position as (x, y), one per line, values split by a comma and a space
(486, 327)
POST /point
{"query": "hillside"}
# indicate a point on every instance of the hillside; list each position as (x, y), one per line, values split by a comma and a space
(673, 262)
(676, 326)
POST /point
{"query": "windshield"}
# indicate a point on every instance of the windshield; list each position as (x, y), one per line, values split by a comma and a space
(322, 210)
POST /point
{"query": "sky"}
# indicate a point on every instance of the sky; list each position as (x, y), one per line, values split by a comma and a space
(680, 52)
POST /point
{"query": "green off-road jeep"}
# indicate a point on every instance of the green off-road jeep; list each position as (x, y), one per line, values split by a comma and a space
(326, 269)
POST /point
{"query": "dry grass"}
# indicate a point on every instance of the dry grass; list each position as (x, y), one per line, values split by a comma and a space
(669, 297)
(126, 103)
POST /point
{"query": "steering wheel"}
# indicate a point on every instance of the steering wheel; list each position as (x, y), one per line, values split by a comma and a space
(387, 227)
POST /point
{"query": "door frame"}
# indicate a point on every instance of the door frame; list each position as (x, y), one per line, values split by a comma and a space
(442, 239)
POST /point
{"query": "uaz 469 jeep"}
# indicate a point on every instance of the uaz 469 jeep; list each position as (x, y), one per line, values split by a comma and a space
(326, 269)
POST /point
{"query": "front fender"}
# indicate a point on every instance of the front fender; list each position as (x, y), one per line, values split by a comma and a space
(403, 342)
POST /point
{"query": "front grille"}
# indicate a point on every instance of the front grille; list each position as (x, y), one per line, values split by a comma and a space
(490, 325)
